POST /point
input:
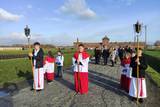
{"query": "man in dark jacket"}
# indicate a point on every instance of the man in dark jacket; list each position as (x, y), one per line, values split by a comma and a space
(105, 55)
(97, 53)
(138, 80)
(37, 61)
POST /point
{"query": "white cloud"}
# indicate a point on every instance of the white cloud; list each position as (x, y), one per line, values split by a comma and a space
(7, 16)
(20, 38)
(78, 8)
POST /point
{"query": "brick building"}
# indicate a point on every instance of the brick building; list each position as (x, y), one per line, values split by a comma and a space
(105, 42)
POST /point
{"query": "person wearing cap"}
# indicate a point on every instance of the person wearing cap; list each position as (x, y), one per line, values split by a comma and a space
(37, 63)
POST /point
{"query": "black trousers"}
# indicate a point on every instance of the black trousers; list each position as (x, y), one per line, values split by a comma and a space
(105, 59)
(59, 71)
(112, 63)
(97, 58)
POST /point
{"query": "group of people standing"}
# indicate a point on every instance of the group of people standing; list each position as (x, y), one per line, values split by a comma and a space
(43, 68)
(133, 81)
(133, 68)
(108, 54)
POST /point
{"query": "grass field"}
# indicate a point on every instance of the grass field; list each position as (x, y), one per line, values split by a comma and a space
(15, 52)
(155, 53)
(9, 69)
(153, 68)
(154, 75)
(15, 70)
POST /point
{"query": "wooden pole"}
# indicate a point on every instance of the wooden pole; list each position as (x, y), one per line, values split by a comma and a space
(137, 67)
(30, 51)
(79, 82)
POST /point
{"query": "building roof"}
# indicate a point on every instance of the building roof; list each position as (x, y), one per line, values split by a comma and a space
(105, 38)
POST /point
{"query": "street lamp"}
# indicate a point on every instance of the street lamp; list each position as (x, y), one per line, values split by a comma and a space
(27, 33)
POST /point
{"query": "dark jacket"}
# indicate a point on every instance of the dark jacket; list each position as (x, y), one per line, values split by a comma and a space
(142, 66)
(105, 53)
(38, 58)
(97, 53)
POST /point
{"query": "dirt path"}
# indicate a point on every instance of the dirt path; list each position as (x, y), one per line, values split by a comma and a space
(104, 91)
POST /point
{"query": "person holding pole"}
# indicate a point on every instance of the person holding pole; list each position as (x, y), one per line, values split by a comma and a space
(80, 63)
(38, 72)
(139, 61)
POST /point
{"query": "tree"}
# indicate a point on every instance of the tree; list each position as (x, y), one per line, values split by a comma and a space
(157, 43)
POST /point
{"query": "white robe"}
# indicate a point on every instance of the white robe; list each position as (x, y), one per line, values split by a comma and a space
(142, 93)
(83, 67)
(38, 76)
(49, 67)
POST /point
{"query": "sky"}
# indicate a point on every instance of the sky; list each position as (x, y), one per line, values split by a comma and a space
(60, 22)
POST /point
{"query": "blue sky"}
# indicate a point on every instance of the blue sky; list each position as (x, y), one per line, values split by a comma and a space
(60, 22)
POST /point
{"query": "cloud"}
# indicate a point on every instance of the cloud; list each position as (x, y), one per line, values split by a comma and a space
(20, 38)
(78, 8)
(7, 16)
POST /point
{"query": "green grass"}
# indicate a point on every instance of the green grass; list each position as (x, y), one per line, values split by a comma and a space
(13, 52)
(10, 68)
(155, 53)
(154, 75)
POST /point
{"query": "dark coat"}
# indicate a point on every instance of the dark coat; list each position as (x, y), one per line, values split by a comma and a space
(142, 66)
(105, 53)
(97, 53)
(38, 58)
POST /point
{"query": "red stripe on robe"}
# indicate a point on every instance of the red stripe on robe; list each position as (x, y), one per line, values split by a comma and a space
(141, 86)
(38, 79)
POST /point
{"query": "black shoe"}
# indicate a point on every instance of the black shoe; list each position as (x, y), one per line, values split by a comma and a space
(141, 100)
(49, 82)
(134, 99)
(39, 90)
(32, 89)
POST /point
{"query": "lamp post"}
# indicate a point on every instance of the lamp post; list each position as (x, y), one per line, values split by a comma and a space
(27, 33)
(137, 29)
